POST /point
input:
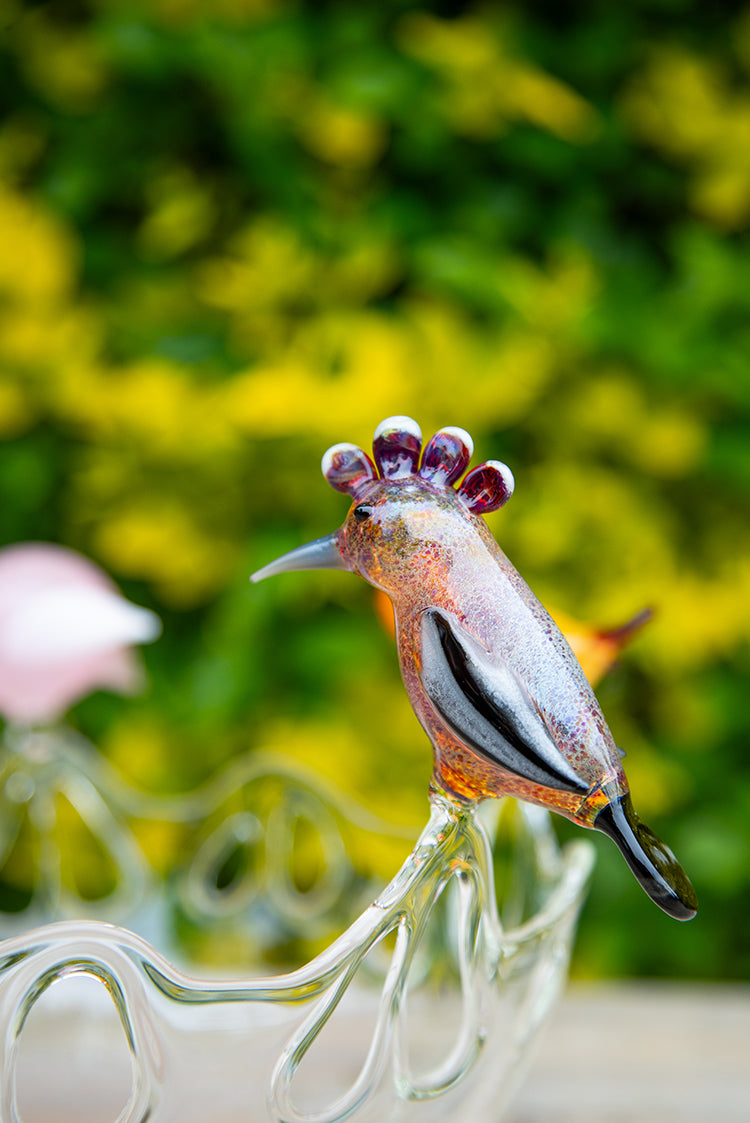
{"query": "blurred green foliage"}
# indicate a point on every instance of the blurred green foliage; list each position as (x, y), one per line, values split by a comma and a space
(233, 232)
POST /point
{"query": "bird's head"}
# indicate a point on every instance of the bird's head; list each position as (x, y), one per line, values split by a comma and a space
(406, 511)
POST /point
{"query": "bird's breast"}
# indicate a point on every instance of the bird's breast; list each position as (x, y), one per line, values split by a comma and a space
(531, 677)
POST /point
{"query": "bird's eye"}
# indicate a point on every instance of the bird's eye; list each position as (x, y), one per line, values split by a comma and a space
(362, 513)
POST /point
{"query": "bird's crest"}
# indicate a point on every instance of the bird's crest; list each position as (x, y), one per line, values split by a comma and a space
(397, 454)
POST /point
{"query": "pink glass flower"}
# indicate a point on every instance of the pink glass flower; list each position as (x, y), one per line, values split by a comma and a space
(65, 630)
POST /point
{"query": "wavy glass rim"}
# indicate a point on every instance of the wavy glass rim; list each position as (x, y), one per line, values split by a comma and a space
(453, 848)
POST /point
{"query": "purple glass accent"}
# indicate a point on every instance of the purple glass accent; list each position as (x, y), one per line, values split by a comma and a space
(446, 456)
(347, 468)
(396, 445)
(487, 487)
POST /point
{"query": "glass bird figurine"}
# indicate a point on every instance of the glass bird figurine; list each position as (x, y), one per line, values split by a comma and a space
(491, 678)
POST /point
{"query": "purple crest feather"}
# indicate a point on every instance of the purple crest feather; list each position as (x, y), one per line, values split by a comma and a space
(398, 455)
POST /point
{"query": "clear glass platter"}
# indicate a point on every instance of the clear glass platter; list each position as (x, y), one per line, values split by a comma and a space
(257, 984)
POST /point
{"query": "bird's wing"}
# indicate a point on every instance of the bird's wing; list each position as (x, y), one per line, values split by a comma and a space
(484, 703)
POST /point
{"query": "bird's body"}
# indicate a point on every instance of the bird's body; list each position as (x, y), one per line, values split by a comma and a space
(443, 564)
(490, 676)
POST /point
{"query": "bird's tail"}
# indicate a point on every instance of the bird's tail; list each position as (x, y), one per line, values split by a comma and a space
(653, 863)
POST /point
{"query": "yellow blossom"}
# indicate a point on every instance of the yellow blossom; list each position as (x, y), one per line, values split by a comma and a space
(65, 65)
(16, 414)
(701, 619)
(39, 259)
(51, 338)
(507, 366)
(154, 403)
(687, 107)
(301, 392)
(658, 785)
(160, 542)
(486, 87)
(551, 104)
(181, 214)
(341, 136)
(139, 747)
(612, 409)
(554, 297)
(22, 141)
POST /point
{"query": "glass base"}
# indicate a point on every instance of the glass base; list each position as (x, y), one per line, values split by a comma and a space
(425, 1007)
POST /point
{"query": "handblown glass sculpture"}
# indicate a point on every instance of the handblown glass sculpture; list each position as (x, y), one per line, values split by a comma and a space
(426, 1004)
(490, 676)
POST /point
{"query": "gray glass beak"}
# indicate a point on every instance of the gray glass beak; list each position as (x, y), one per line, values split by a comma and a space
(323, 553)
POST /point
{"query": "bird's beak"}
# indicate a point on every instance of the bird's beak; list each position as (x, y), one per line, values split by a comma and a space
(323, 553)
(653, 863)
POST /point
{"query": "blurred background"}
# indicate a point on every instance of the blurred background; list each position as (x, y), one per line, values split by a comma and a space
(233, 232)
